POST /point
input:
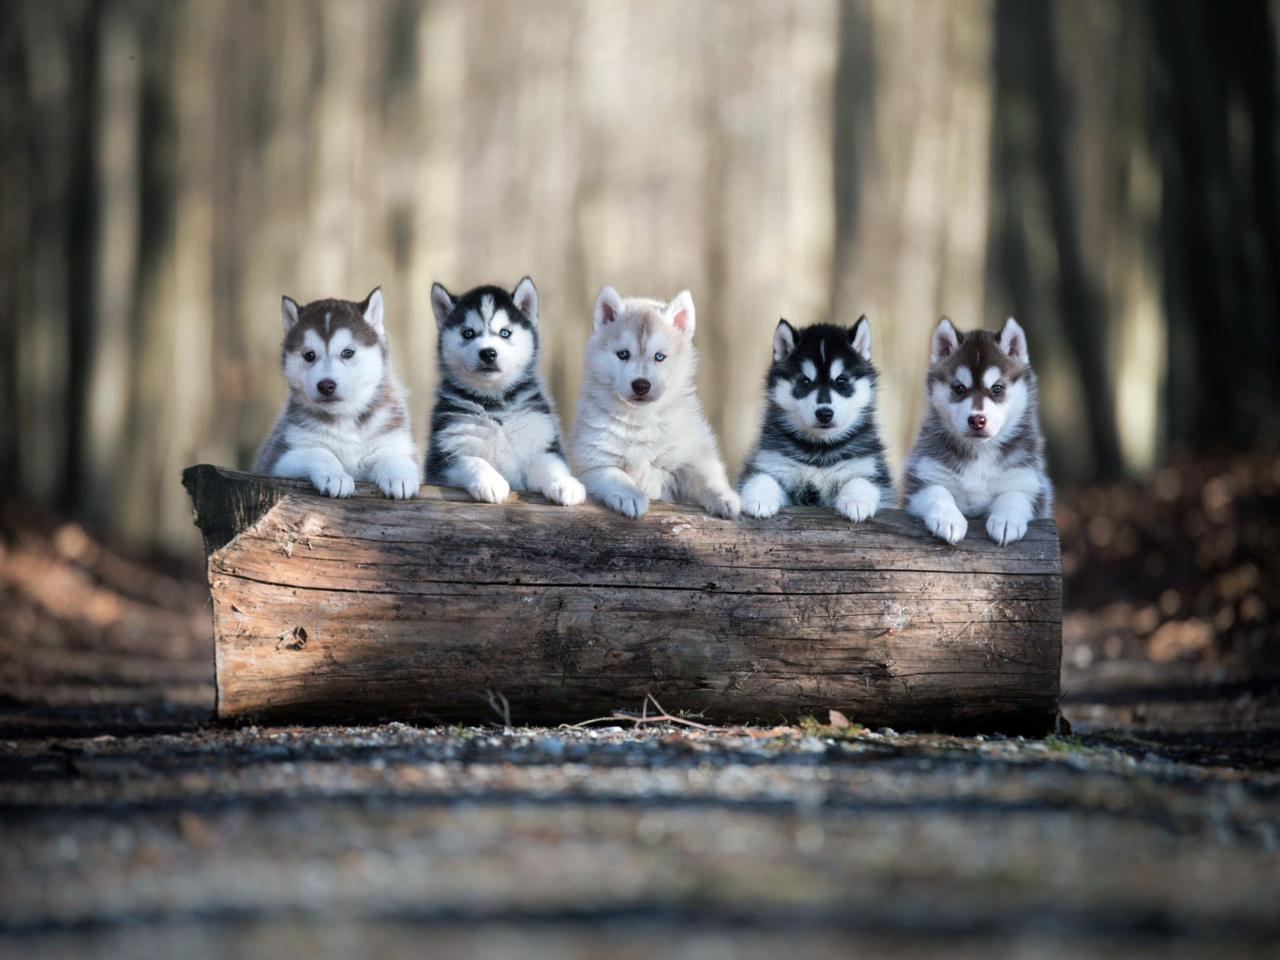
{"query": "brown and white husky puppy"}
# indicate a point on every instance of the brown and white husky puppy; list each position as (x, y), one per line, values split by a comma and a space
(980, 451)
(345, 419)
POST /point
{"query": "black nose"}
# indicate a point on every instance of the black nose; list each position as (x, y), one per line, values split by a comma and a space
(639, 387)
(824, 414)
(488, 354)
(326, 387)
(977, 421)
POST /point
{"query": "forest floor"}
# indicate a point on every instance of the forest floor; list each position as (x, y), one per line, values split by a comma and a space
(132, 826)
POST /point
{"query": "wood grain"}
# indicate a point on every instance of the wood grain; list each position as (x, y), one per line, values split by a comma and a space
(366, 609)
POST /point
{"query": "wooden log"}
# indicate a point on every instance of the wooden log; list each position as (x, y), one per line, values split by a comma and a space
(368, 609)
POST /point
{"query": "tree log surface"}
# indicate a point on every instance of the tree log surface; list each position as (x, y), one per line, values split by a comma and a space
(367, 609)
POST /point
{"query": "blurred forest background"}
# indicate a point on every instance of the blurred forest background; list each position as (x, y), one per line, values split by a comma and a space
(1106, 171)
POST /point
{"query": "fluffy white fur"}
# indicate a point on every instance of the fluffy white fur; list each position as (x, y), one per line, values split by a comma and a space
(631, 446)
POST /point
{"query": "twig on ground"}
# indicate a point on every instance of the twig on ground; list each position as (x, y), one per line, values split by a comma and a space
(501, 706)
(660, 717)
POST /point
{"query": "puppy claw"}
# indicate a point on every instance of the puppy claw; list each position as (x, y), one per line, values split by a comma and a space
(567, 492)
(490, 489)
(398, 488)
(336, 485)
(1005, 530)
(727, 507)
(759, 507)
(856, 510)
(628, 504)
(948, 525)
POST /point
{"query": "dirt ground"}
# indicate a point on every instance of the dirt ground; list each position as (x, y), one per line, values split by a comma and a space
(132, 827)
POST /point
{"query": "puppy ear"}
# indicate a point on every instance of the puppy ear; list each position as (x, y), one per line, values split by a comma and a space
(860, 337)
(1013, 341)
(784, 340)
(372, 311)
(526, 298)
(946, 341)
(289, 313)
(608, 307)
(442, 303)
(680, 314)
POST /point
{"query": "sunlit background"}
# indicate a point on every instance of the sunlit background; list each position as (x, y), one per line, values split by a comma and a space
(1105, 171)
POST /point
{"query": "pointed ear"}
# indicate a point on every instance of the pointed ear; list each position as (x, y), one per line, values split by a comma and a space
(289, 313)
(946, 341)
(680, 314)
(784, 340)
(371, 309)
(526, 298)
(860, 337)
(1013, 341)
(442, 303)
(608, 307)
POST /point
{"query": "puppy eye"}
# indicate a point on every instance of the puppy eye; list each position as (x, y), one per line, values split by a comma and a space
(468, 334)
(348, 353)
(309, 356)
(842, 381)
(505, 334)
(804, 381)
(997, 389)
(958, 389)
(659, 357)
(624, 354)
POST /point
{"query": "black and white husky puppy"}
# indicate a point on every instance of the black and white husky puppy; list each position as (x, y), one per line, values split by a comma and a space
(493, 427)
(345, 419)
(980, 450)
(820, 442)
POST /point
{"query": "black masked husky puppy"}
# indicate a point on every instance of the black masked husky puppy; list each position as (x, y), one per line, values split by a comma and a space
(345, 419)
(820, 443)
(980, 451)
(493, 427)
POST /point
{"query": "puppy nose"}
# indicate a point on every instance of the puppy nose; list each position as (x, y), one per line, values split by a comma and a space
(326, 387)
(824, 414)
(639, 387)
(488, 354)
(977, 421)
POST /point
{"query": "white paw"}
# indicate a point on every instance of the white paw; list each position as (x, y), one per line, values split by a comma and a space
(1004, 528)
(334, 485)
(629, 503)
(567, 492)
(947, 523)
(762, 506)
(490, 487)
(726, 507)
(398, 488)
(856, 509)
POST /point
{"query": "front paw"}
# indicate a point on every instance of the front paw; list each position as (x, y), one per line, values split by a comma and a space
(567, 492)
(629, 503)
(1006, 527)
(398, 487)
(334, 484)
(947, 523)
(727, 507)
(857, 509)
(489, 487)
(761, 497)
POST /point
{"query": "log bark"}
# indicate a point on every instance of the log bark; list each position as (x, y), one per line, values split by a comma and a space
(367, 609)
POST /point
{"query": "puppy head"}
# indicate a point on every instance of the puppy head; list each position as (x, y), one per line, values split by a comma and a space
(979, 382)
(488, 337)
(641, 350)
(822, 378)
(335, 353)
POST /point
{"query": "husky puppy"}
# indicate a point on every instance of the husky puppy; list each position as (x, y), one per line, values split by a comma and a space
(493, 426)
(820, 442)
(640, 433)
(345, 419)
(980, 450)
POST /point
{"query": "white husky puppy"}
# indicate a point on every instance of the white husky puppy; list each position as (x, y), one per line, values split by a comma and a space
(493, 426)
(640, 433)
(345, 419)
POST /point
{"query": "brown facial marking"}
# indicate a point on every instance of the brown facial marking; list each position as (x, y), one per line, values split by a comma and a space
(342, 313)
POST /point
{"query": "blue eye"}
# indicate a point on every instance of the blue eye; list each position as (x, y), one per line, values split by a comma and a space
(624, 354)
(468, 334)
(659, 357)
(997, 389)
(348, 353)
(505, 334)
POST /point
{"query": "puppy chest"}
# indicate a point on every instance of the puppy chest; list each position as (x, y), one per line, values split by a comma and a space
(508, 441)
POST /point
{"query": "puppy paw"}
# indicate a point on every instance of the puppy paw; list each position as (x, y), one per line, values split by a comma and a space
(856, 508)
(334, 484)
(947, 523)
(727, 507)
(567, 492)
(490, 487)
(629, 503)
(398, 487)
(761, 498)
(1006, 527)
